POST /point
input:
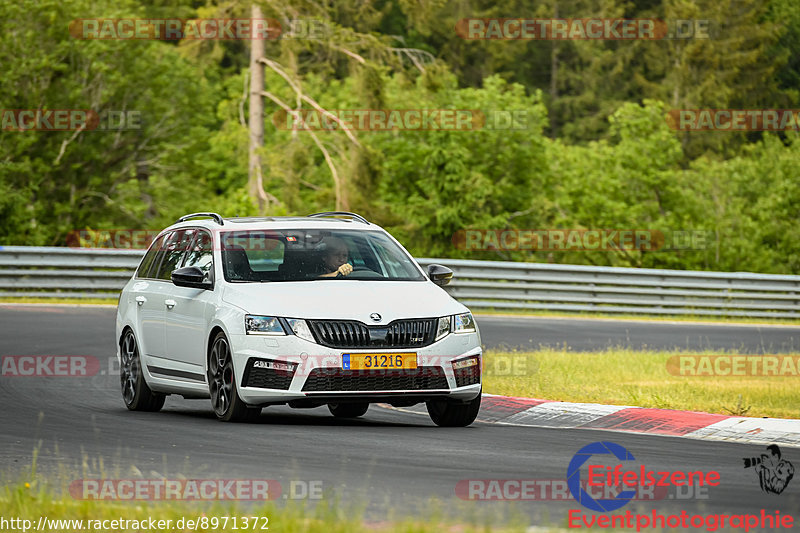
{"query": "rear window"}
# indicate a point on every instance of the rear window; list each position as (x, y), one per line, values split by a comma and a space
(149, 258)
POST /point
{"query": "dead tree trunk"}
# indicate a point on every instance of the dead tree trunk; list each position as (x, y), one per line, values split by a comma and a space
(255, 185)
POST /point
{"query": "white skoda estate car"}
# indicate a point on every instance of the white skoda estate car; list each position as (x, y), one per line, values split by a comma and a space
(327, 309)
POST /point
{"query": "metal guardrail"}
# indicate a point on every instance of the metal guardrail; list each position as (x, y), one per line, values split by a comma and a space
(101, 273)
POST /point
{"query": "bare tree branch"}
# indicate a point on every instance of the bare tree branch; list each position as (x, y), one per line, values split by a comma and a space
(264, 195)
(415, 55)
(351, 54)
(246, 85)
(67, 142)
(274, 66)
(338, 191)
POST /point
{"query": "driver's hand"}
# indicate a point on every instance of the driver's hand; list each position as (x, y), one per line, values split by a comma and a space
(345, 269)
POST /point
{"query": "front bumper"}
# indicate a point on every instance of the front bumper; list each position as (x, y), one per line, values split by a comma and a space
(283, 369)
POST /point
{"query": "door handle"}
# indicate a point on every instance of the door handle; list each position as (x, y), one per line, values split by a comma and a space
(169, 303)
(140, 300)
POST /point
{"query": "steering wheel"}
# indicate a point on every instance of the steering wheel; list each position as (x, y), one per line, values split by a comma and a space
(364, 270)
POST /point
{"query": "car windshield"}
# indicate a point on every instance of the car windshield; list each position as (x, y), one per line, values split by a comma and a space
(316, 254)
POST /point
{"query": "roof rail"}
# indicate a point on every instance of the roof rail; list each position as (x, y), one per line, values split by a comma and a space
(354, 216)
(217, 218)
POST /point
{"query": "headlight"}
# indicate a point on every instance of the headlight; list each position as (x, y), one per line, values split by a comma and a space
(262, 325)
(463, 323)
(443, 328)
(301, 329)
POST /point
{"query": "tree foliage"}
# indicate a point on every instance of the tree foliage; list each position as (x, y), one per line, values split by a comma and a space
(593, 148)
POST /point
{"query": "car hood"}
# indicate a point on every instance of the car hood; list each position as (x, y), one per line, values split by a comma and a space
(343, 299)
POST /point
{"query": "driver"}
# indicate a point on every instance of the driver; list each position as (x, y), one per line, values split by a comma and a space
(334, 258)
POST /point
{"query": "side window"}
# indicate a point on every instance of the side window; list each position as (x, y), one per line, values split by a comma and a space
(201, 253)
(149, 257)
(173, 252)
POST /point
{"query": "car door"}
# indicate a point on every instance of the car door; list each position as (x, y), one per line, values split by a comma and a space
(159, 299)
(148, 295)
(187, 320)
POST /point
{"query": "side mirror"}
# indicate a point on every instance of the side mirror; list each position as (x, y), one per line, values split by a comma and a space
(191, 277)
(440, 275)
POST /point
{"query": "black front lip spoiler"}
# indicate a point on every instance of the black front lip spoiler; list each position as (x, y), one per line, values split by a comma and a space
(376, 396)
(321, 398)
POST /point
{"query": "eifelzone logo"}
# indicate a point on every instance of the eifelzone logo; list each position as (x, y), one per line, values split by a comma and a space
(574, 477)
(630, 478)
(774, 473)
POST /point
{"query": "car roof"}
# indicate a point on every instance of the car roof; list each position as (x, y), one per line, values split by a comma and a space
(278, 223)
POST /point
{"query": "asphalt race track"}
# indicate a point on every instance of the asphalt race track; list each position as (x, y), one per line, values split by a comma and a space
(387, 460)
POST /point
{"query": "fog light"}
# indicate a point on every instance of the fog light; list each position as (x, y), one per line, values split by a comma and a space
(275, 365)
(467, 371)
(466, 363)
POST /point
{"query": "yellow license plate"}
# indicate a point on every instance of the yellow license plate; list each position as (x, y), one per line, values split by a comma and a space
(372, 361)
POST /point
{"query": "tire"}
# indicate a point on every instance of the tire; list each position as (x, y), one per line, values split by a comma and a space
(348, 410)
(228, 407)
(135, 392)
(449, 413)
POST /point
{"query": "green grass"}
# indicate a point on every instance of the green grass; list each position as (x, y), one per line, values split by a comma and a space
(637, 378)
(33, 499)
(494, 312)
(32, 491)
(649, 318)
(61, 301)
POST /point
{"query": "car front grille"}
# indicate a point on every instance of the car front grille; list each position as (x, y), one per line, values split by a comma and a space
(336, 379)
(266, 378)
(409, 333)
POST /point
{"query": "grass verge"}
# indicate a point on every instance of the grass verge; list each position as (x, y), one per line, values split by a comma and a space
(637, 378)
(35, 500)
(488, 312)
(638, 318)
(59, 301)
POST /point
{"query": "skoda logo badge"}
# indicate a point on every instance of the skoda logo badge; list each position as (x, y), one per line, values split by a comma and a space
(375, 317)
